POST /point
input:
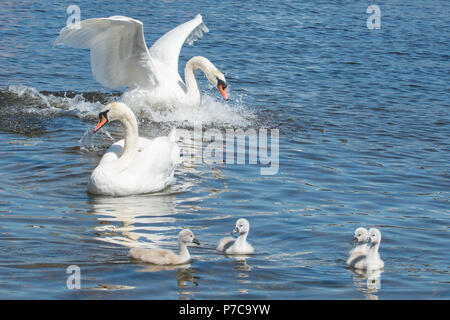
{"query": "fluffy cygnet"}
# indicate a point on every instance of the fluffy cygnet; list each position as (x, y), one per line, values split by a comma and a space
(361, 237)
(240, 245)
(167, 257)
(372, 260)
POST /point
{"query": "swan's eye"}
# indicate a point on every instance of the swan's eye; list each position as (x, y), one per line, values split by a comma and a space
(103, 114)
(221, 82)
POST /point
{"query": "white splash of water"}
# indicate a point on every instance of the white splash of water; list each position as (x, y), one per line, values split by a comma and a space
(210, 112)
(87, 139)
(45, 105)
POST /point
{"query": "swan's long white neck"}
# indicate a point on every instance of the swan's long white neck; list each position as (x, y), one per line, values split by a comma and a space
(192, 90)
(131, 137)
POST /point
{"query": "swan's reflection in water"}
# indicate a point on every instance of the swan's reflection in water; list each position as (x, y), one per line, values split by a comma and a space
(243, 271)
(186, 278)
(368, 282)
(134, 221)
(240, 262)
(143, 221)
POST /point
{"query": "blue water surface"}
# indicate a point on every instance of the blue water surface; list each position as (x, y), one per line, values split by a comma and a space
(364, 128)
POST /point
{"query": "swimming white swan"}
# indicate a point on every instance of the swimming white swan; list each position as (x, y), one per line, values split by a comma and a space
(362, 238)
(120, 58)
(167, 257)
(240, 245)
(133, 165)
(371, 261)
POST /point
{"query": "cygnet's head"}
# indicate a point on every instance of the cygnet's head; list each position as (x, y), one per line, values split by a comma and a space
(112, 111)
(375, 236)
(186, 236)
(242, 226)
(361, 235)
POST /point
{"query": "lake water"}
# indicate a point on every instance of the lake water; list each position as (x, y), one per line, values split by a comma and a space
(364, 127)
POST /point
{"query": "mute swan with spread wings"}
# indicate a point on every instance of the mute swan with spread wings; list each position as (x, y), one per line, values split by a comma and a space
(120, 58)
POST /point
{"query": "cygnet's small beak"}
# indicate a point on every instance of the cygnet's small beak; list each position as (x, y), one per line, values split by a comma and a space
(222, 91)
(196, 241)
(354, 241)
(236, 230)
(103, 120)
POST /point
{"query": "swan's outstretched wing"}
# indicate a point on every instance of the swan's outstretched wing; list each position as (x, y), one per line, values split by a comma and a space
(167, 48)
(119, 56)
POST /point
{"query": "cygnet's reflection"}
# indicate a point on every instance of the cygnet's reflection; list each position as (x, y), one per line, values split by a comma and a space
(148, 267)
(240, 262)
(185, 277)
(368, 282)
(186, 280)
(142, 219)
(243, 271)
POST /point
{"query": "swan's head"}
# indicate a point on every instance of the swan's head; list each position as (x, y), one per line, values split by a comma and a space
(219, 81)
(215, 77)
(361, 235)
(187, 236)
(112, 111)
(242, 226)
(375, 236)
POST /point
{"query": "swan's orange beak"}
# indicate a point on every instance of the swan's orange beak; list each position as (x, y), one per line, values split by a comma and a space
(100, 123)
(222, 91)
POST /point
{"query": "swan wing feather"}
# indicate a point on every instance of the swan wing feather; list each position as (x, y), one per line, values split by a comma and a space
(225, 243)
(119, 55)
(167, 48)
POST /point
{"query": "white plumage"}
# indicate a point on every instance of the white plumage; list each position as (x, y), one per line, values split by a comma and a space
(133, 165)
(371, 260)
(361, 237)
(240, 245)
